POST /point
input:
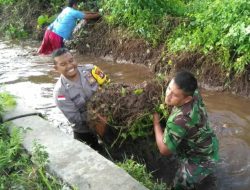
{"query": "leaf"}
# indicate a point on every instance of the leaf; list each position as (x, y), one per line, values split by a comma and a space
(138, 91)
(162, 107)
(123, 91)
(52, 18)
(42, 19)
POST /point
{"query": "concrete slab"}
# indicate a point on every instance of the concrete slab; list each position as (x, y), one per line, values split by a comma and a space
(71, 160)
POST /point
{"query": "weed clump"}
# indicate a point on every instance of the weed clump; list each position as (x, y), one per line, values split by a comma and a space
(126, 109)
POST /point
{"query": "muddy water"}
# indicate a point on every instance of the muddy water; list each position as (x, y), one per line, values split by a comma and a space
(230, 117)
(32, 78)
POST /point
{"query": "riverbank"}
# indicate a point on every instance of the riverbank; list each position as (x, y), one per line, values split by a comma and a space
(120, 44)
(99, 39)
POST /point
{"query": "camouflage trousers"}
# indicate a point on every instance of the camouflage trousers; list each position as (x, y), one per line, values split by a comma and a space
(190, 174)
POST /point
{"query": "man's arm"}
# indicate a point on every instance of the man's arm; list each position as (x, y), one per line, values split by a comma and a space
(91, 15)
(159, 136)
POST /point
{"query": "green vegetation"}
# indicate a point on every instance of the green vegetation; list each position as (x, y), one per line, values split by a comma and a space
(142, 126)
(221, 27)
(15, 32)
(19, 18)
(45, 20)
(212, 27)
(144, 18)
(16, 169)
(54, 9)
(140, 173)
(6, 2)
(6, 101)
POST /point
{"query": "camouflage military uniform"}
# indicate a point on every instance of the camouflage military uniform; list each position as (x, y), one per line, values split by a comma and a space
(190, 137)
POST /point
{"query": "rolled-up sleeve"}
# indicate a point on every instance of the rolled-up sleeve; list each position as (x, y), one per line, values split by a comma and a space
(173, 135)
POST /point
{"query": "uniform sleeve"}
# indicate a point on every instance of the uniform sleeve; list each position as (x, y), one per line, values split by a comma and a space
(68, 108)
(78, 14)
(174, 133)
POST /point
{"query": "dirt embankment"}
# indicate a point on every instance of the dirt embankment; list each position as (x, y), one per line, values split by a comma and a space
(99, 39)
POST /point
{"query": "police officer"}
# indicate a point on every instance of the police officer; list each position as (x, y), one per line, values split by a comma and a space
(187, 132)
(72, 91)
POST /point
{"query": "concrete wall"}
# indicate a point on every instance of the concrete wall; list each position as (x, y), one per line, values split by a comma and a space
(71, 160)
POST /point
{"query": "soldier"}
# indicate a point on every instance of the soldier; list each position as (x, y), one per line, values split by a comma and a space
(187, 133)
(72, 91)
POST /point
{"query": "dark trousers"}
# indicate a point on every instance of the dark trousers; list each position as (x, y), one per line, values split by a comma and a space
(89, 138)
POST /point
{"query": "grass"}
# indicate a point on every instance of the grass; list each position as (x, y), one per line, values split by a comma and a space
(18, 169)
(140, 173)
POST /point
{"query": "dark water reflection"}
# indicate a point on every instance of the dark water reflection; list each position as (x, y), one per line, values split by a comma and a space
(33, 78)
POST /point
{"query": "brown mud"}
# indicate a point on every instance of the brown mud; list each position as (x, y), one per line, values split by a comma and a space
(126, 103)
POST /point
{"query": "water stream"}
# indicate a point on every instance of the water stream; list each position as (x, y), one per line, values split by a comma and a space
(32, 78)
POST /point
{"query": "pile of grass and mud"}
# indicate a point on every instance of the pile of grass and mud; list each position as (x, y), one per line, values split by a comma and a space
(122, 115)
(127, 109)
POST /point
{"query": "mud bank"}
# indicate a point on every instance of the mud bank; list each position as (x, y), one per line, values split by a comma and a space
(99, 39)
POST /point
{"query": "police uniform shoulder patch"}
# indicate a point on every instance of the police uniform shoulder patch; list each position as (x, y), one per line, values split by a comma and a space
(91, 79)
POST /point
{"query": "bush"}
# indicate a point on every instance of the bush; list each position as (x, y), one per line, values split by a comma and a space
(142, 17)
(6, 101)
(16, 169)
(6, 2)
(222, 27)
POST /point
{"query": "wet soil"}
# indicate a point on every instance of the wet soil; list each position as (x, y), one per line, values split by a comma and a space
(126, 103)
(99, 39)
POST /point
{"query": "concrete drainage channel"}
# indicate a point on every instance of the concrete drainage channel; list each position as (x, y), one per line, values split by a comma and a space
(72, 161)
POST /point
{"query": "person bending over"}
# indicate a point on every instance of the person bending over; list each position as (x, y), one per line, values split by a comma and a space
(63, 26)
